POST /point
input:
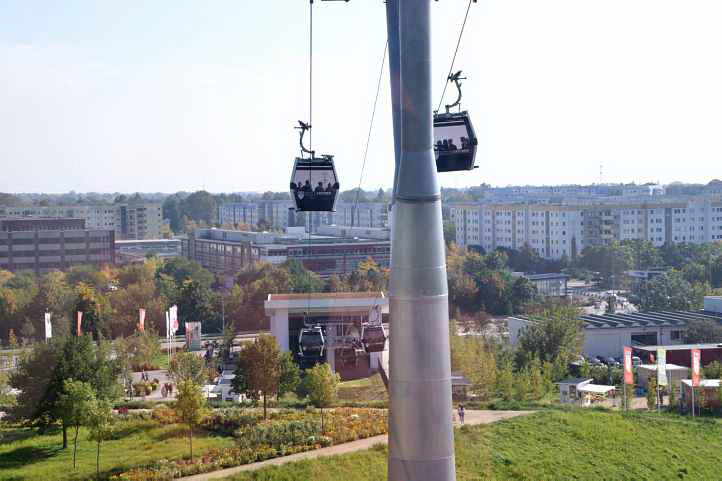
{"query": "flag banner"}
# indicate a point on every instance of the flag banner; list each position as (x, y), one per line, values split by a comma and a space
(628, 373)
(48, 326)
(80, 323)
(174, 319)
(193, 336)
(141, 320)
(661, 367)
(696, 355)
(167, 325)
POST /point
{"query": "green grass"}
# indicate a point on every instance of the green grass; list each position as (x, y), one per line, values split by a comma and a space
(550, 445)
(26, 455)
(369, 389)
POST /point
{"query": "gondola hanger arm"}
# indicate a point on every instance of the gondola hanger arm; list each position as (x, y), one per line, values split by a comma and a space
(303, 127)
(456, 78)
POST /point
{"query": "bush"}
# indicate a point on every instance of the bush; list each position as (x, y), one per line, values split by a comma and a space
(164, 414)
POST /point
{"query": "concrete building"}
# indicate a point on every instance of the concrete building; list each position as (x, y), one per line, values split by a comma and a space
(128, 221)
(53, 244)
(280, 214)
(565, 228)
(129, 251)
(340, 315)
(607, 335)
(227, 252)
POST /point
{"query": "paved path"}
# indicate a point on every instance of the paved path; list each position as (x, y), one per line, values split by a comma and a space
(472, 417)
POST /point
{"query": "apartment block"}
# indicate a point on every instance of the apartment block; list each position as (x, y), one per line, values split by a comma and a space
(128, 221)
(558, 230)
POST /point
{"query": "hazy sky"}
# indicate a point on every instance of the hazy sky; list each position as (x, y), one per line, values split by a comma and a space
(170, 95)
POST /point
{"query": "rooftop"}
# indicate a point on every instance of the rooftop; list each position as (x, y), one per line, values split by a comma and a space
(680, 347)
(325, 295)
(574, 380)
(648, 319)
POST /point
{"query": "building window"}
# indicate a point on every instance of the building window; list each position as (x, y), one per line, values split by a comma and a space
(675, 335)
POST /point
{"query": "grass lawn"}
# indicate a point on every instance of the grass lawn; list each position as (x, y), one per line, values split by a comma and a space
(363, 390)
(550, 445)
(28, 456)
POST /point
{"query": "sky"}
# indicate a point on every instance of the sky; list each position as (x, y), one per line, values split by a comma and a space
(176, 95)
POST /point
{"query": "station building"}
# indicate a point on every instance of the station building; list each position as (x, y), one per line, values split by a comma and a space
(341, 316)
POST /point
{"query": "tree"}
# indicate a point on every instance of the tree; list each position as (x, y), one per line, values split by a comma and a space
(182, 269)
(302, 279)
(259, 369)
(100, 423)
(322, 386)
(197, 303)
(94, 308)
(41, 378)
(505, 381)
(557, 335)
(27, 331)
(449, 232)
(700, 331)
(290, 374)
(670, 291)
(75, 403)
(186, 366)
(651, 393)
(190, 407)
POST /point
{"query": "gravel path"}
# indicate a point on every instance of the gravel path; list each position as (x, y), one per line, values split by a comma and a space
(472, 417)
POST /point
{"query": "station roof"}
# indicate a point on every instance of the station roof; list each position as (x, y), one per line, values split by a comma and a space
(680, 347)
(648, 319)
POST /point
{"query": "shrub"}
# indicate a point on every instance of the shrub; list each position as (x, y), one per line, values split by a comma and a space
(164, 414)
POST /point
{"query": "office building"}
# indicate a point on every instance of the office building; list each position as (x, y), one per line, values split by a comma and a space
(43, 245)
(226, 252)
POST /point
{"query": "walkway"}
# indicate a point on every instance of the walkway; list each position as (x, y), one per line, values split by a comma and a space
(472, 417)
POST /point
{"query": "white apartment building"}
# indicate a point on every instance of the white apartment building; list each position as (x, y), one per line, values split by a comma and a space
(281, 214)
(558, 230)
(129, 221)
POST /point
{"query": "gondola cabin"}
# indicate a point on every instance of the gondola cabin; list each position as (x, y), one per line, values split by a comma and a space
(454, 142)
(373, 338)
(311, 343)
(314, 184)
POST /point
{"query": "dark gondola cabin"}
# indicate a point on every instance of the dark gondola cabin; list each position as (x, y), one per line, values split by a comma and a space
(373, 338)
(454, 138)
(454, 142)
(314, 185)
(311, 343)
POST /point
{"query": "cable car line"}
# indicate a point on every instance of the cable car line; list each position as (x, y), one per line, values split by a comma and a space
(453, 59)
(371, 126)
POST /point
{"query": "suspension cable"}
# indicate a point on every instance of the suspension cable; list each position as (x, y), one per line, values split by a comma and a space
(310, 77)
(371, 126)
(453, 59)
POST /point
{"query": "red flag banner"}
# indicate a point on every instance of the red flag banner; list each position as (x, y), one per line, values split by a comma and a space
(80, 323)
(141, 320)
(695, 367)
(628, 374)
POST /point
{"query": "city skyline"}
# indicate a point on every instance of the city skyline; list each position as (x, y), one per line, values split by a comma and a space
(137, 97)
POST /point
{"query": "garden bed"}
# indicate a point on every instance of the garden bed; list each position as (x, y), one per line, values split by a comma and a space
(284, 433)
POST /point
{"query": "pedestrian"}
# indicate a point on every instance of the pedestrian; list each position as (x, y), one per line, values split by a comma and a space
(461, 413)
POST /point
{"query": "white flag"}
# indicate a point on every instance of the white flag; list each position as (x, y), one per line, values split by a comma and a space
(48, 326)
(174, 319)
(661, 367)
(167, 325)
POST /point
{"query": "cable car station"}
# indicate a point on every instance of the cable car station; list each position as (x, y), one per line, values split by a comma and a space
(348, 330)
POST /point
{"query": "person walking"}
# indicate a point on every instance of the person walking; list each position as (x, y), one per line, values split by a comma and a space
(461, 413)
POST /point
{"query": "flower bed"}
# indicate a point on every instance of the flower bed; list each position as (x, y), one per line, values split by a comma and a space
(287, 432)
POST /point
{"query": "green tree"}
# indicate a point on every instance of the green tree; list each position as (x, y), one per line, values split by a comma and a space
(289, 374)
(197, 303)
(702, 330)
(670, 291)
(259, 369)
(94, 307)
(505, 381)
(449, 232)
(651, 393)
(100, 422)
(181, 269)
(74, 404)
(322, 387)
(712, 370)
(302, 279)
(41, 377)
(556, 334)
(186, 366)
(190, 407)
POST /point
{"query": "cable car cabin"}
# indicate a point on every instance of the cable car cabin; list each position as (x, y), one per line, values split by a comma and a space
(311, 343)
(314, 184)
(454, 142)
(373, 338)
